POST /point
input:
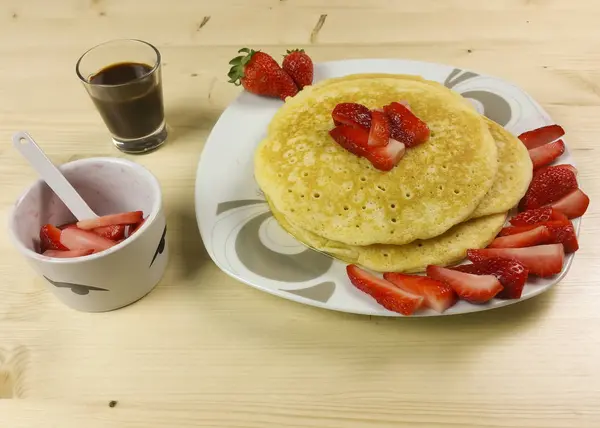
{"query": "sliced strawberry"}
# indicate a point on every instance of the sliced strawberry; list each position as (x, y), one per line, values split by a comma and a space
(111, 219)
(536, 236)
(78, 239)
(436, 294)
(540, 136)
(548, 186)
(561, 232)
(352, 114)
(134, 228)
(564, 234)
(355, 140)
(387, 157)
(113, 232)
(567, 166)
(572, 205)
(50, 238)
(380, 129)
(541, 260)
(67, 226)
(538, 215)
(511, 274)
(513, 230)
(405, 126)
(562, 165)
(385, 293)
(67, 254)
(546, 154)
(472, 288)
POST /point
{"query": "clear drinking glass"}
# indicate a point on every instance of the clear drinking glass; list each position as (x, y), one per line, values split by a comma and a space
(123, 78)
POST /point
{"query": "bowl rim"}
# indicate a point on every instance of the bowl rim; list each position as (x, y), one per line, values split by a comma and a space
(151, 217)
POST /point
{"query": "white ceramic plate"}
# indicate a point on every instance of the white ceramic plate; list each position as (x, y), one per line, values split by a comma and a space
(246, 242)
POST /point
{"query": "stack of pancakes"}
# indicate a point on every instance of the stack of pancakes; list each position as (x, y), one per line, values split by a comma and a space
(446, 195)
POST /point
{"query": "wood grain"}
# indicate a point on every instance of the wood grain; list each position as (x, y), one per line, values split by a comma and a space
(205, 350)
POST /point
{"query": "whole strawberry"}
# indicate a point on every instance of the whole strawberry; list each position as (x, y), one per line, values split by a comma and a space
(299, 65)
(260, 74)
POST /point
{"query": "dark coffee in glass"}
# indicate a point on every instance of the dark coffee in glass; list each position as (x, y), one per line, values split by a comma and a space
(123, 79)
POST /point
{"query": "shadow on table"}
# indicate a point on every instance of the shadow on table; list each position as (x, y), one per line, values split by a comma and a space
(189, 248)
(381, 341)
(185, 120)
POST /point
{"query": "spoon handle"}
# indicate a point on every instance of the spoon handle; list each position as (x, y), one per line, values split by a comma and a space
(23, 142)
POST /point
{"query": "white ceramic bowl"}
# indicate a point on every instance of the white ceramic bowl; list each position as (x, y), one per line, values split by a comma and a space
(112, 278)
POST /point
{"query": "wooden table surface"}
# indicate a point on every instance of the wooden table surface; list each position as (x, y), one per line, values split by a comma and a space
(205, 350)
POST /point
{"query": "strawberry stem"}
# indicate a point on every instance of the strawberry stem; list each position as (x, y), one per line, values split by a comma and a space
(236, 73)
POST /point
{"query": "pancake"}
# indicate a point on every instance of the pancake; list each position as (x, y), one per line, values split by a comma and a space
(514, 164)
(322, 188)
(446, 249)
(514, 173)
(360, 76)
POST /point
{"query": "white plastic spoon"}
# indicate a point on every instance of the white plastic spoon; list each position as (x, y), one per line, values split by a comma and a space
(52, 176)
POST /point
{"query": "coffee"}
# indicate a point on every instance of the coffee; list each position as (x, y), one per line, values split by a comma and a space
(129, 98)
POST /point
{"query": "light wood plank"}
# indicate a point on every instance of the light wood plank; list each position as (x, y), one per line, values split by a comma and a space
(203, 349)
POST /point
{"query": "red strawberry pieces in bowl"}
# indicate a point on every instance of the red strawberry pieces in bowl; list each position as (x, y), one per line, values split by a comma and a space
(381, 135)
(78, 239)
(89, 236)
(50, 238)
(132, 217)
(115, 232)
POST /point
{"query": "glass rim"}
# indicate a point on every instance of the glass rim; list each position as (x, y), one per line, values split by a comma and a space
(152, 70)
